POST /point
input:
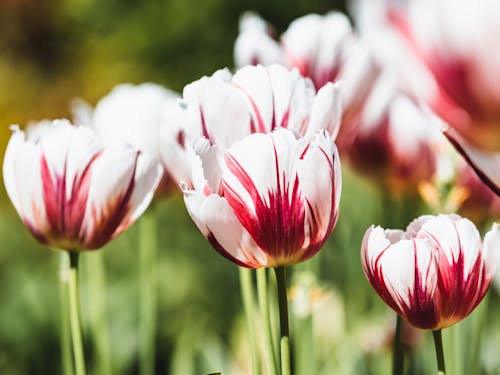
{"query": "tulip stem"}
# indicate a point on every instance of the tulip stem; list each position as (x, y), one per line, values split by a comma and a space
(248, 297)
(398, 353)
(74, 314)
(147, 292)
(269, 356)
(284, 330)
(66, 350)
(438, 344)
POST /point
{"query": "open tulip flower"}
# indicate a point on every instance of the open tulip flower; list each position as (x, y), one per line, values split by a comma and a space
(225, 108)
(435, 273)
(270, 208)
(324, 49)
(135, 114)
(70, 191)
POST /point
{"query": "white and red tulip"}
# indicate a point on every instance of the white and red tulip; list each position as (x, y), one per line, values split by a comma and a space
(72, 192)
(266, 208)
(450, 46)
(325, 49)
(393, 144)
(225, 108)
(435, 273)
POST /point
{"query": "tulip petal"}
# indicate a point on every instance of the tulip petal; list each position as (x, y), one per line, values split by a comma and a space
(491, 249)
(321, 190)
(263, 191)
(326, 111)
(113, 203)
(215, 219)
(21, 174)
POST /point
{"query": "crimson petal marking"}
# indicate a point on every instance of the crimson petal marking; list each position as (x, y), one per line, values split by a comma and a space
(109, 197)
(277, 223)
(487, 166)
(216, 221)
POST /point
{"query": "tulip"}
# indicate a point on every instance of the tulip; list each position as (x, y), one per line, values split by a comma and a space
(268, 209)
(323, 48)
(435, 273)
(450, 47)
(224, 108)
(393, 144)
(75, 194)
(135, 114)
(70, 191)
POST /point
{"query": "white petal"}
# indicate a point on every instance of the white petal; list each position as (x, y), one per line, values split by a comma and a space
(254, 45)
(213, 216)
(326, 111)
(133, 114)
(491, 249)
(216, 110)
(398, 268)
(148, 173)
(320, 181)
(374, 243)
(22, 180)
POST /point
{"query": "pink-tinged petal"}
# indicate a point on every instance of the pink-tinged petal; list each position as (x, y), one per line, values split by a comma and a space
(256, 84)
(173, 144)
(254, 45)
(147, 176)
(313, 44)
(486, 164)
(109, 196)
(321, 190)
(263, 191)
(215, 219)
(21, 175)
(208, 98)
(408, 270)
(326, 111)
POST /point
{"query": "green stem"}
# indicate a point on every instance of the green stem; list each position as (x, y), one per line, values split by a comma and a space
(147, 292)
(74, 314)
(269, 356)
(247, 294)
(398, 353)
(438, 344)
(284, 330)
(97, 311)
(66, 351)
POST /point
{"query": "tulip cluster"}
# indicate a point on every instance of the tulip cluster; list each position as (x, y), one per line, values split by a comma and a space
(255, 157)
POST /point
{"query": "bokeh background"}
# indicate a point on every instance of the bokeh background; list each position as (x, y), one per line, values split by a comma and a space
(52, 51)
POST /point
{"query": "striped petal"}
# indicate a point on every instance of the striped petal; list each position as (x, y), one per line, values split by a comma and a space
(263, 191)
(123, 181)
(21, 175)
(326, 111)
(216, 221)
(321, 190)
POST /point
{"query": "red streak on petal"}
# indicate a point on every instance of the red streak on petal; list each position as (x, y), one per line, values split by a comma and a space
(277, 226)
(108, 221)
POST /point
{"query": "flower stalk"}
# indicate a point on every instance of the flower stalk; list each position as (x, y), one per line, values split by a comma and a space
(269, 353)
(438, 344)
(284, 327)
(74, 314)
(247, 294)
(148, 300)
(398, 352)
